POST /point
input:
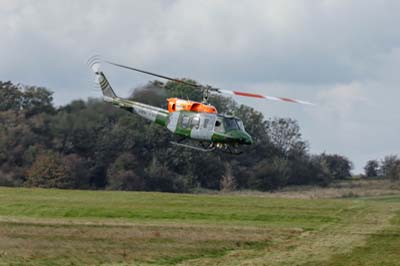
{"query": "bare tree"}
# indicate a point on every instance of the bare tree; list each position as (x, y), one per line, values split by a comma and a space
(285, 135)
(228, 182)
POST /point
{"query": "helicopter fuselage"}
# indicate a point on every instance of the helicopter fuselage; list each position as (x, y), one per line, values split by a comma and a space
(212, 127)
(202, 126)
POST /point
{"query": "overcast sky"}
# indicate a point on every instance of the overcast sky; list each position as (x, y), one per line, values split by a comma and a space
(342, 55)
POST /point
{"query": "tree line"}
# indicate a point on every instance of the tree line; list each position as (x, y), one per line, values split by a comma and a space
(388, 167)
(93, 145)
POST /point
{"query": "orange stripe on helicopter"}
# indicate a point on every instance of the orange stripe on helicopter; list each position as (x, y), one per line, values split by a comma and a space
(265, 97)
(248, 94)
(288, 100)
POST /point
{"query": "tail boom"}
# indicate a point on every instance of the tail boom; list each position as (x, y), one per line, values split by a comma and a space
(152, 113)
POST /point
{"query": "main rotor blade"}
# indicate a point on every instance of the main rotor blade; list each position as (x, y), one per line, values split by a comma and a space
(212, 89)
(259, 96)
(154, 74)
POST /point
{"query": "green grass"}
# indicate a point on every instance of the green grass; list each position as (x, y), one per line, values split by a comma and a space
(60, 227)
(381, 248)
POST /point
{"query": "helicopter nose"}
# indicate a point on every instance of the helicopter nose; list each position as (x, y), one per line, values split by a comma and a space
(240, 137)
(245, 138)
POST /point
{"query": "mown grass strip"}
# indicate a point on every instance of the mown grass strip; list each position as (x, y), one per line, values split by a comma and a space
(58, 227)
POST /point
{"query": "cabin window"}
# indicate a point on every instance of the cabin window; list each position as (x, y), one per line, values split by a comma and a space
(185, 121)
(195, 122)
(206, 121)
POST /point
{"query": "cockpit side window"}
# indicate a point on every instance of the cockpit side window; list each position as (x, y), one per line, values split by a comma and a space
(240, 124)
(219, 127)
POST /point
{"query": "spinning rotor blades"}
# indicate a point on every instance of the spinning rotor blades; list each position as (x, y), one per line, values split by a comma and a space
(153, 74)
(207, 89)
(259, 96)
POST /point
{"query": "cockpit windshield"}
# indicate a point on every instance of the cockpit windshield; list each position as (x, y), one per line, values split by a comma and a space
(231, 124)
(228, 123)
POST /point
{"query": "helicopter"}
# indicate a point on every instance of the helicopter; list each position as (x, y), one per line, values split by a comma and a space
(190, 120)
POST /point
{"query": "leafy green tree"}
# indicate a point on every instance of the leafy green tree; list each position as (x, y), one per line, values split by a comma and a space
(390, 167)
(123, 174)
(91, 144)
(175, 89)
(37, 100)
(394, 172)
(152, 93)
(17, 136)
(339, 166)
(73, 107)
(48, 171)
(77, 171)
(270, 174)
(320, 170)
(302, 171)
(160, 178)
(8, 179)
(208, 170)
(371, 168)
(255, 124)
(11, 97)
(224, 105)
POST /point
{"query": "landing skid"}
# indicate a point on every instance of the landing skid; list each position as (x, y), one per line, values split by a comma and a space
(225, 148)
(211, 148)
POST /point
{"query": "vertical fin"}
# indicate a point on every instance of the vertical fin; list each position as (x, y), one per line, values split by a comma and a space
(95, 64)
(105, 85)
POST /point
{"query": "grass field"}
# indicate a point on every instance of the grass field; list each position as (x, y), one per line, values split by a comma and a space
(59, 227)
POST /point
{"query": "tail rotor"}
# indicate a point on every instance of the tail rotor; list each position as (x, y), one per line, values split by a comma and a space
(94, 63)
